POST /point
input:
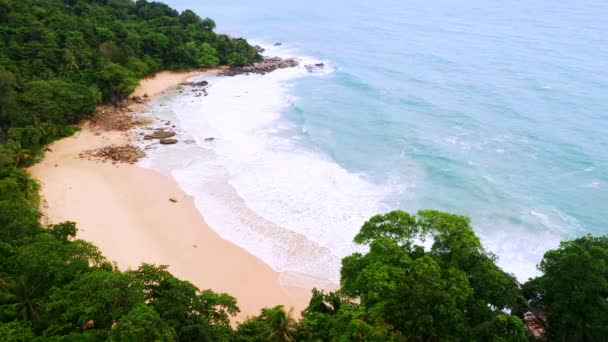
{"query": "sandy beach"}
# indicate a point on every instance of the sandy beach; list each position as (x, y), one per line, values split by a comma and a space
(126, 211)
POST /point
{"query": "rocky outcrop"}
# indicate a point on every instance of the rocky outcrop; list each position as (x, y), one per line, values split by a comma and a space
(269, 64)
(168, 141)
(202, 83)
(159, 134)
(116, 154)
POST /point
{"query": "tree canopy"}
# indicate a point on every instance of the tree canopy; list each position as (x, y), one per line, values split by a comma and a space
(422, 277)
(573, 290)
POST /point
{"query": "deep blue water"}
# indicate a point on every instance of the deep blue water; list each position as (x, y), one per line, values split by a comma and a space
(495, 110)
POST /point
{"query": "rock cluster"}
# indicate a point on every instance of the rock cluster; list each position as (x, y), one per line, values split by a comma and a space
(200, 88)
(168, 141)
(116, 154)
(159, 133)
(115, 118)
(269, 64)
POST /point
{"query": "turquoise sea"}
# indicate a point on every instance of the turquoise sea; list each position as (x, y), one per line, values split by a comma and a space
(494, 110)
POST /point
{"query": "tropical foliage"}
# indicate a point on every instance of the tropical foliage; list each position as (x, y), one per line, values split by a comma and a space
(422, 277)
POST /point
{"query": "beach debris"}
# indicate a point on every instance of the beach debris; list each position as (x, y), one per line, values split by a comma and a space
(172, 200)
(195, 246)
(159, 134)
(210, 139)
(168, 141)
(116, 154)
(269, 64)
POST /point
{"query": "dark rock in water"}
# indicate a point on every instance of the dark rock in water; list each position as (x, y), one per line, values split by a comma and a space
(269, 64)
(159, 135)
(210, 139)
(189, 141)
(314, 67)
(168, 141)
(202, 83)
(259, 49)
(278, 44)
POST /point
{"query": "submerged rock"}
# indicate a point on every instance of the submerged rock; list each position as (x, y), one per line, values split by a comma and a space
(209, 139)
(160, 134)
(168, 141)
(314, 67)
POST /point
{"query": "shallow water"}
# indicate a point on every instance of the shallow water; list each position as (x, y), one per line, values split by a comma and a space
(492, 110)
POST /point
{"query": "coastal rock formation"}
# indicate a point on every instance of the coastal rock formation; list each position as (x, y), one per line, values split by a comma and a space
(269, 64)
(168, 141)
(159, 134)
(116, 154)
(115, 118)
(197, 84)
(259, 49)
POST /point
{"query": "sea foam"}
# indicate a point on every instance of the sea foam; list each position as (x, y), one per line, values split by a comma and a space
(258, 183)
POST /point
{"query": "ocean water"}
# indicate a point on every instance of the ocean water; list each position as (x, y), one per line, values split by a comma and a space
(494, 110)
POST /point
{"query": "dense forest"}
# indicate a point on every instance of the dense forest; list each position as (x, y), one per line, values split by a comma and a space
(59, 59)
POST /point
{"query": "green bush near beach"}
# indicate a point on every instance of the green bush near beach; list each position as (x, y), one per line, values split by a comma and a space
(60, 58)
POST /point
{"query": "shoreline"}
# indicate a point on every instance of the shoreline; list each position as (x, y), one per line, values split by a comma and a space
(126, 211)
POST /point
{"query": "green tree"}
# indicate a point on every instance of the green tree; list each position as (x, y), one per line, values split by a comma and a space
(21, 298)
(96, 299)
(8, 97)
(16, 332)
(273, 324)
(194, 315)
(207, 56)
(573, 291)
(118, 81)
(452, 290)
(143, 324)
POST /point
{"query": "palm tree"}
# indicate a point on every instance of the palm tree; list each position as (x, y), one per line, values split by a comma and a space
(282, 324)
(49, 133)
(22, 296)
(17, 152)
